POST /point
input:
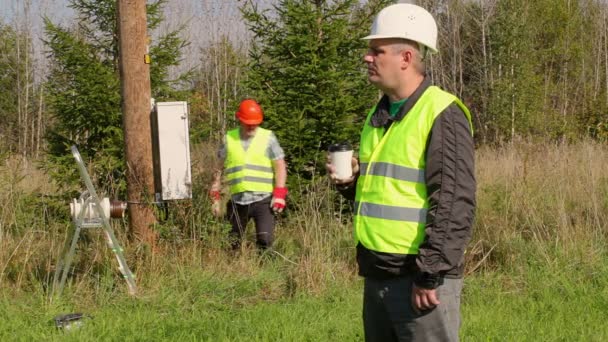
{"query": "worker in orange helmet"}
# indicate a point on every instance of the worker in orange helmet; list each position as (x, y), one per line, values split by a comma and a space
(254, 167)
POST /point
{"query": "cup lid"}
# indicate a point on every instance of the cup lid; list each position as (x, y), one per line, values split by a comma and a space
(340, 147)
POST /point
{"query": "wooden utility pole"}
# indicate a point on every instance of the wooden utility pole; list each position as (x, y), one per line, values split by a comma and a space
(136, 93)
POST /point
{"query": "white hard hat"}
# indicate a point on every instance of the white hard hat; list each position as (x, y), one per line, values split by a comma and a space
(406, 21)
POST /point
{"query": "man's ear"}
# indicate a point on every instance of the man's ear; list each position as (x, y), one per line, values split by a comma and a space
(407, 58)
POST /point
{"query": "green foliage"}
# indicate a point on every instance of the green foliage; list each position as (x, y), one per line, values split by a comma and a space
(10, 67)
(19, 102)
(218, 89)
(306, 70)
(84, 89)
(84, 92)
(514, 101)
(530, 68)
(166, 52)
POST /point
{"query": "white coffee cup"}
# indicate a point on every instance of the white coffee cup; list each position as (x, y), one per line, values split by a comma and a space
(341, 155)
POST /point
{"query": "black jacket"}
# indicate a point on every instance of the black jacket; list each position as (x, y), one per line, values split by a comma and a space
(450, 181)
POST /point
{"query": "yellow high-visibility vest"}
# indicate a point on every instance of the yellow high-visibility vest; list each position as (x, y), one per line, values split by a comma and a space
(391, 200)
(249, 170)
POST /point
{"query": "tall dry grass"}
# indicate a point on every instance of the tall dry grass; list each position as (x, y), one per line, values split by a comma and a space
(547, 200)
(539, 202)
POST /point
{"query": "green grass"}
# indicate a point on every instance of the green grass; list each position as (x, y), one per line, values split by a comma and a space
(198, 306)
(564, 302)
(537, 302)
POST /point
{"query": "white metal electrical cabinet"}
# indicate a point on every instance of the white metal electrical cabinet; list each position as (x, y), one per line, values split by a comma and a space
(172, 151)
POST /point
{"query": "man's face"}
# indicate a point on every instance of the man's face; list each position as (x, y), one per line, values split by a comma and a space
(248, 131)
(384, 63)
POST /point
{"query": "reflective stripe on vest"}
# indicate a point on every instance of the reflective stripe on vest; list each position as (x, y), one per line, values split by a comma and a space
(391, 212)
(391, 199)
(393, 171)
(249, 170)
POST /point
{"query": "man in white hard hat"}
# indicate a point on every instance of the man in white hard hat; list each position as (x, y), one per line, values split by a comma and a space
(414, 187)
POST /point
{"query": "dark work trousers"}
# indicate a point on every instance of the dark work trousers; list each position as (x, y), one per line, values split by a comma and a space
(260, 211)
(388, 314)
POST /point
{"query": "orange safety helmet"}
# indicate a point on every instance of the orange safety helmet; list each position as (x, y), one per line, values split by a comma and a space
(250, 112)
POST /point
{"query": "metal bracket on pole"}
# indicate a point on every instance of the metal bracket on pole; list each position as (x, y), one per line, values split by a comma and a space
(90, 214)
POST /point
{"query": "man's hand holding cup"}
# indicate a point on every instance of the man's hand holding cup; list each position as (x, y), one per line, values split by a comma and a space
(342, 167)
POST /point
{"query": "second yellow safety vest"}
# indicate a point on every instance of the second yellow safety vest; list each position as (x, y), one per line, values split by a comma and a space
(249, 170)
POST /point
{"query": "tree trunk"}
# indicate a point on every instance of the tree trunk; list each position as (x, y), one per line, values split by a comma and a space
(512, 89)
(20, 121)
(486, 88)
(606, 50)
(39, 128)
(136, 93)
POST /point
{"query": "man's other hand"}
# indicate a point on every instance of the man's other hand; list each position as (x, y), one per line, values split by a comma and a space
(423, 299)
(278, 199)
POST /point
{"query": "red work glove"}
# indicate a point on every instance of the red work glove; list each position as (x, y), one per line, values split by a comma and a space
(278, 199)
(215, 202)
(215, 195)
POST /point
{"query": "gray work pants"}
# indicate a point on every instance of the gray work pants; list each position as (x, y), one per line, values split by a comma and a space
(388, 314)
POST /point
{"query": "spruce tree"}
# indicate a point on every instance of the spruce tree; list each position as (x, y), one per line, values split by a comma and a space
(84, 88)
(306, 70)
